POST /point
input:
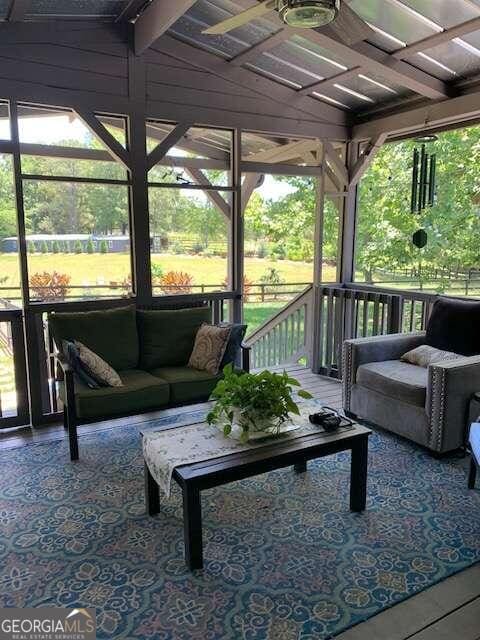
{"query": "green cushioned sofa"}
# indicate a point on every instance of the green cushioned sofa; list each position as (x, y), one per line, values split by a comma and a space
(150, 350)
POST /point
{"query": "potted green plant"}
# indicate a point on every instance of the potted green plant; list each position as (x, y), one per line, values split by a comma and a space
(254, 403)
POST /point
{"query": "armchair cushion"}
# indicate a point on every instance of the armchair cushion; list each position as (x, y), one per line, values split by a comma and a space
(453, 326)
(140, 392)
(112, 333)
(396, 379)
(167, 337)
(187, 384)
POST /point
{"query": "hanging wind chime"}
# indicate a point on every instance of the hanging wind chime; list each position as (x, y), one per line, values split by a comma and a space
(424, 183)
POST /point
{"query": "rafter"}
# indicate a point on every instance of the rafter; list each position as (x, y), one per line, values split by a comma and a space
(369, 57)
(438, 38)
(256, 83)
(163, 147)
(254, 51)
(157, 18)
(366, 56)
(328, 82)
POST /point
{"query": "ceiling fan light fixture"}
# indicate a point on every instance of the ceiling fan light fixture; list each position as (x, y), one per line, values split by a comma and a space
(308, 14)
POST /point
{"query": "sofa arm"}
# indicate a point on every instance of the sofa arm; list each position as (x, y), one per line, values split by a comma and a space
(451, 387)
(67, 378)
(374, 349)
(245, 357)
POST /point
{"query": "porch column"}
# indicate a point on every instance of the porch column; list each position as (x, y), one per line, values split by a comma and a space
(314, 321)
(347, 257)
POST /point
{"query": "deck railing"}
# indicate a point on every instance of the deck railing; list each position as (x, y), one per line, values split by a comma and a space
(344, 311)
(284, 337)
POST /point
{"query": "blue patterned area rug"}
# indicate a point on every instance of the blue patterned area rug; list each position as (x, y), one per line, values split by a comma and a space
(285, 559)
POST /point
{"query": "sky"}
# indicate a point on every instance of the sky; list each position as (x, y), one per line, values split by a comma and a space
(51, 130)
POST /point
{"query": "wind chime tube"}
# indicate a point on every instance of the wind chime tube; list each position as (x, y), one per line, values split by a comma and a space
(432, 180)
(414, 202)
(423, 178)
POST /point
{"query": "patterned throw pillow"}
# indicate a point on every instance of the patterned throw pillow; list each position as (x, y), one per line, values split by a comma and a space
(425, 355)
(70, 352)
(210, 344)
(97, 368)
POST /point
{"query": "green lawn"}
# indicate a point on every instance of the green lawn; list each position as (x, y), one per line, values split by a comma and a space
(90, 269)
(255, 314)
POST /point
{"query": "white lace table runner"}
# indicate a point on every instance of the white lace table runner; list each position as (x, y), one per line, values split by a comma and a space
(165, 450)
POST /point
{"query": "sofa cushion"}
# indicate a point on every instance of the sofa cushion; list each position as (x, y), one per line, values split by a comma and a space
(97, 367)
(453, 326)
(210, 344)
(112, 333)
(425, 355)
(399, 380)
(167, 337)
(140, 392)
(186, 384)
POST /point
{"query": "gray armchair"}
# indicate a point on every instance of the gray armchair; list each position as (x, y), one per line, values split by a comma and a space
(429, 406)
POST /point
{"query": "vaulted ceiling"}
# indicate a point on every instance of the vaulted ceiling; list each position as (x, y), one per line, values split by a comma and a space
(420, 53)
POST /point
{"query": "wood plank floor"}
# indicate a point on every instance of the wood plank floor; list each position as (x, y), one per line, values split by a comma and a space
(449, 610)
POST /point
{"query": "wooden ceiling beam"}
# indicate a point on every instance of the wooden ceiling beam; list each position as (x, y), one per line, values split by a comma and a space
(256, 83)
(112, 145)
(459, 110)
(200, 179)
(157, 18)
(260, 47)
(438, 38)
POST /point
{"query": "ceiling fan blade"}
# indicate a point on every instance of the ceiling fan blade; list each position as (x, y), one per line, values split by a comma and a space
(350, 27)
(241, 18)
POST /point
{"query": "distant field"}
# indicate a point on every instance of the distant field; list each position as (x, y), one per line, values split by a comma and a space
(91, 269)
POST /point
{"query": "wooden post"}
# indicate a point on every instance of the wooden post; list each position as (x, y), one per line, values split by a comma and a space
(139, 211)
(236, 245)
(314, 336)
(347, 266)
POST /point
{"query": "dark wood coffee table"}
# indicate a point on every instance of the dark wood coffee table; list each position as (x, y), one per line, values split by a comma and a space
(296, 452)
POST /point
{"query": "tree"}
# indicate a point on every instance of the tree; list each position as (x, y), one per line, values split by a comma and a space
(55, 247)
(90, 246)
(78, 247)
(43, 247)
(103, 246)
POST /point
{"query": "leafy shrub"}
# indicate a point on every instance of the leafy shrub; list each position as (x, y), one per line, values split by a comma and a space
(262, 251)
(31, 248)
(43, 247)
(49, 286)
(55, 247)
(103, 246)
(176, 282)
(90, 246)
(279, 251)
(157, 271)
(272, 279)
(177, 248)
(197, 247)
(78, 247)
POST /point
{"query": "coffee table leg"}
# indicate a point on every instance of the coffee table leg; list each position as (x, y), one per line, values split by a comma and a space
(358, 475)
(152, 495)
(300, 467)
(192, 527)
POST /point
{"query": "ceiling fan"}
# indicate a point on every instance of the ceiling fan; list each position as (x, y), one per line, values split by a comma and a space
(303, 14)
